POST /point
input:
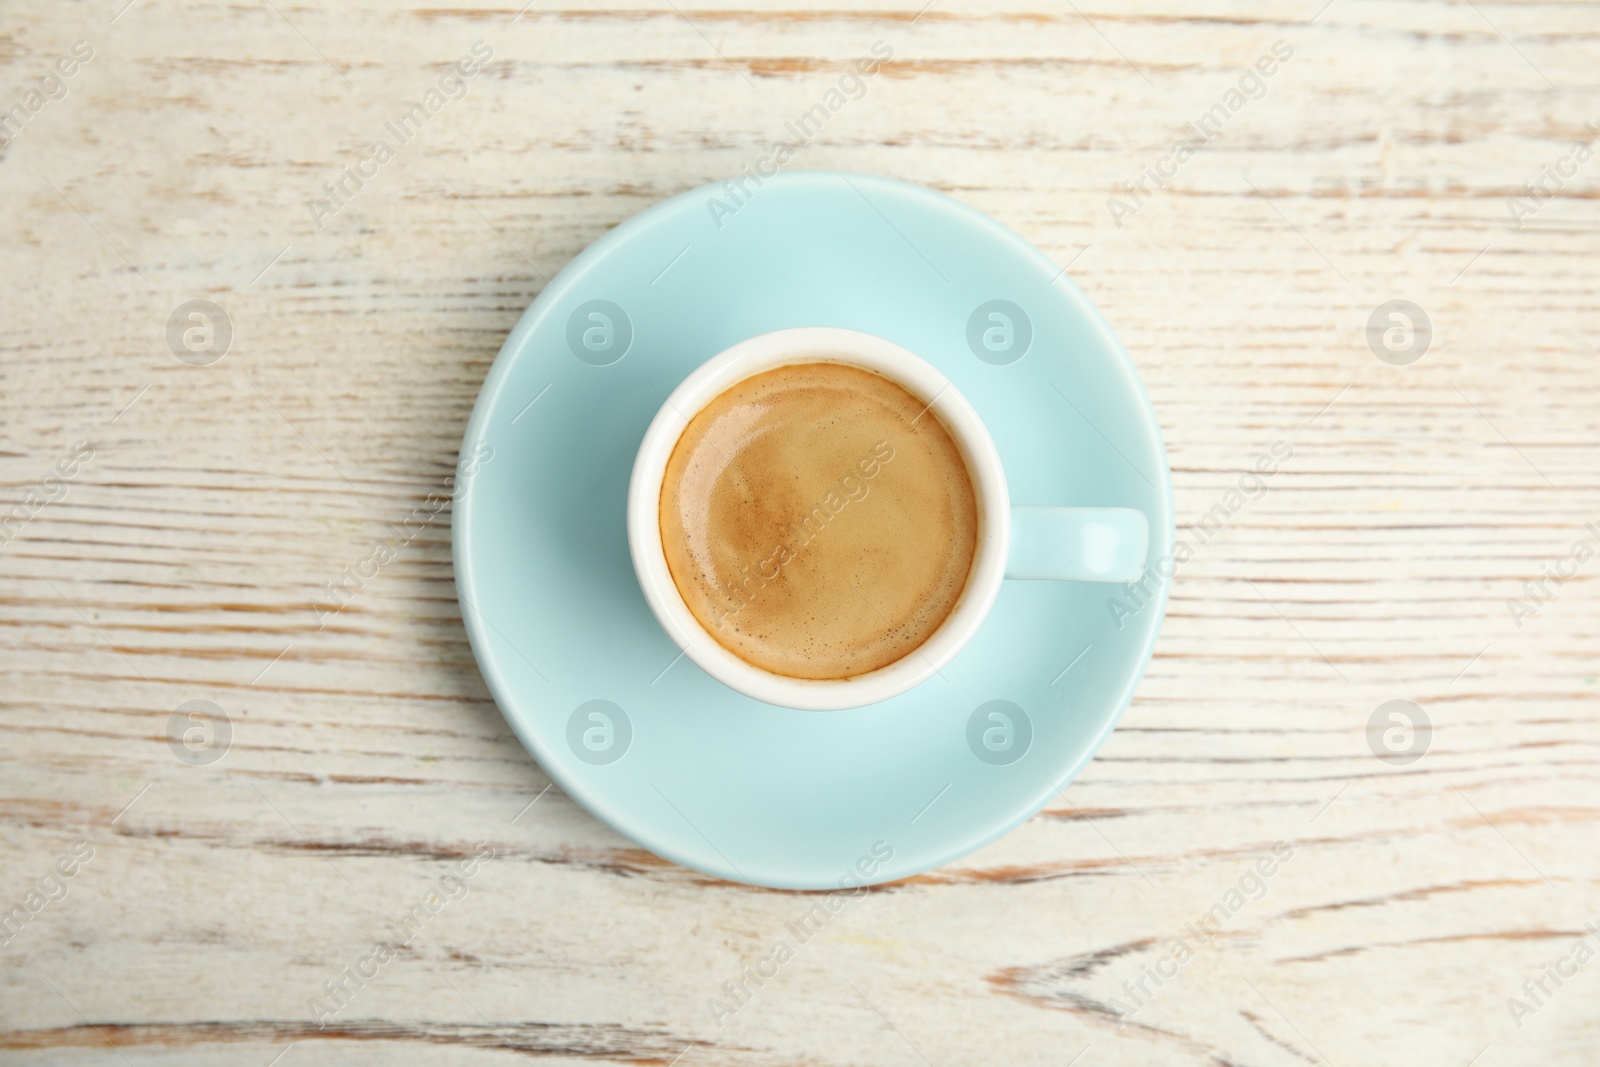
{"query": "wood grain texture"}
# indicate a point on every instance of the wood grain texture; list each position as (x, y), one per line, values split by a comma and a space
(368, 760)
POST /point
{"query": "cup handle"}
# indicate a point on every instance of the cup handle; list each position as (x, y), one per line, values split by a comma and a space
(1078, 544)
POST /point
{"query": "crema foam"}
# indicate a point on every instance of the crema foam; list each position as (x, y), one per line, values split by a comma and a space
(818, 520)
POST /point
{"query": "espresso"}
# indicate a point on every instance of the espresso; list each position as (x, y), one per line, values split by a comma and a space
(818, 520)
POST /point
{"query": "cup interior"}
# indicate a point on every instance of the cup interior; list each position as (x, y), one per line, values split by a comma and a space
(922, 380)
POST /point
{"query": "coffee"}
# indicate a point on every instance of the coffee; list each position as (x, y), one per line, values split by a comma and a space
(818, 520)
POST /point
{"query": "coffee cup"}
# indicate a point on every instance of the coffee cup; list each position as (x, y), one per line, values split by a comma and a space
(1031, 542)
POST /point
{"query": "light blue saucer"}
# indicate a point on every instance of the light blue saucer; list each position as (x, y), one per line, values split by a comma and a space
(598, 693)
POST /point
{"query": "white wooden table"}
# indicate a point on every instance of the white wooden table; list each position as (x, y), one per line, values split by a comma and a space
(196, 510)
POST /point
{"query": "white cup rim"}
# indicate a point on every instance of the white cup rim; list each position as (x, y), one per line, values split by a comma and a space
(923, 380)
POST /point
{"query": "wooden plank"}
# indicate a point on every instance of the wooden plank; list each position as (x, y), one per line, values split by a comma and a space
(368, 760)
